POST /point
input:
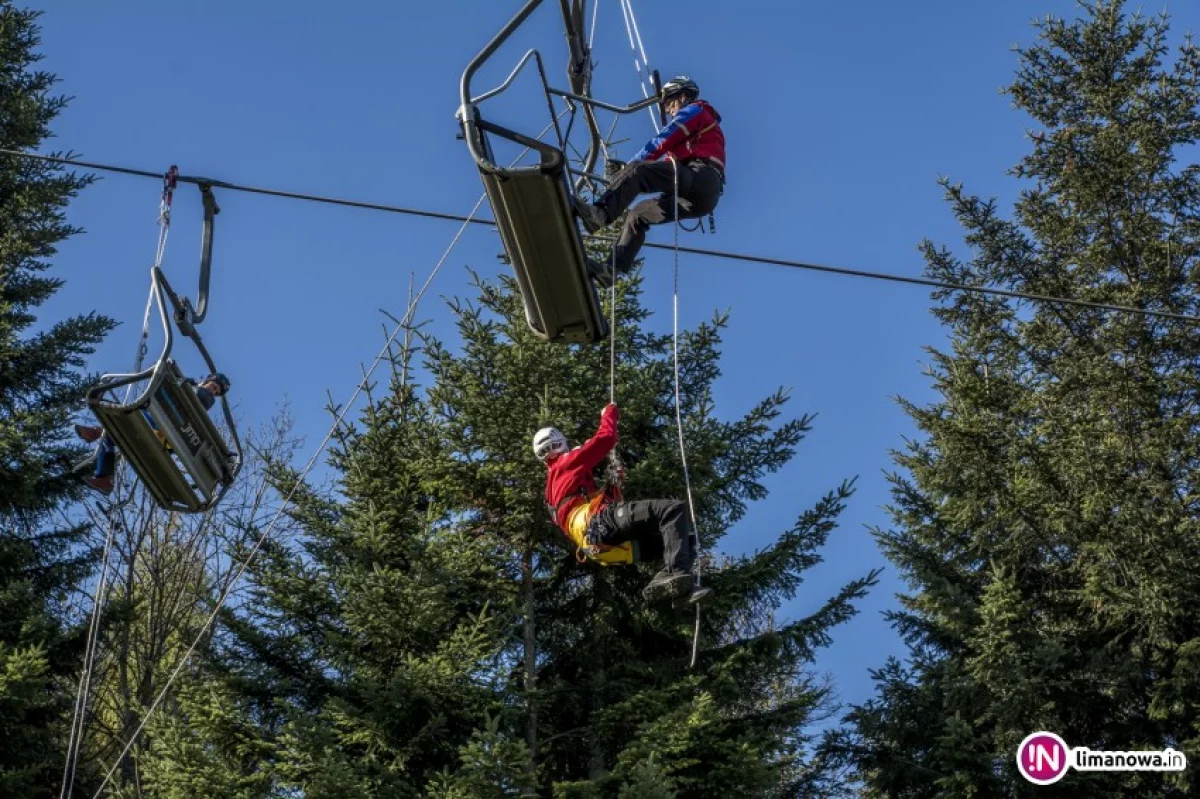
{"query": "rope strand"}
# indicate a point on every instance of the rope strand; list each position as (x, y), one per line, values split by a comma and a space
(687, 480)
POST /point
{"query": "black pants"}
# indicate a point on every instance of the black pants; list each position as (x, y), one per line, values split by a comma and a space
(700, 188)
(660, 527)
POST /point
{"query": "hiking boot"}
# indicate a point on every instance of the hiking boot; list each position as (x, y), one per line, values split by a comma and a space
(88, 433)
(694, 598)
(593, 216)
(102, 484)
(668, 585)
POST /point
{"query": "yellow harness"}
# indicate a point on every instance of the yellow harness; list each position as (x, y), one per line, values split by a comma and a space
(577, 524)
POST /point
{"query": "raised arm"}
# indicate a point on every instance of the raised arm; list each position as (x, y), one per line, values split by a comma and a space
(594, 450)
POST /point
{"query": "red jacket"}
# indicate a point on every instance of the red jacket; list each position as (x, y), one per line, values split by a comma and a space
(571, 474)
(695, 132)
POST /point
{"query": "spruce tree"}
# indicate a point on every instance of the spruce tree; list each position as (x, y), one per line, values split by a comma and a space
(424, 631)
(1046, 520)
(603, 680)
(40, 385)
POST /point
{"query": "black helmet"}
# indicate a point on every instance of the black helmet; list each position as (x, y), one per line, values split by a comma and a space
(680, 84)
(220, 379)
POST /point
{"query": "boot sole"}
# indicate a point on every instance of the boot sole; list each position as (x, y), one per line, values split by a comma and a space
(670, 590)
(694, 598)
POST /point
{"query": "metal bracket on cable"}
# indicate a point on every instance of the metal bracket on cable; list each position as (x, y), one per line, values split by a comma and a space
(170, 181)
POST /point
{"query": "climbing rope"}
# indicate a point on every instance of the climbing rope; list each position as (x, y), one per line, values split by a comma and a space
(249, 558)
(639, 54)
(614, 470)
(75, 742)
(687, 480)
(612, 326)
(592, 34)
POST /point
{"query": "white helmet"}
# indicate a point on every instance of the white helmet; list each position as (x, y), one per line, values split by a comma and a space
(548, 441)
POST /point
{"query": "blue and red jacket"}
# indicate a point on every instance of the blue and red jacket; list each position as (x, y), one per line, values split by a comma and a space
(695, 132)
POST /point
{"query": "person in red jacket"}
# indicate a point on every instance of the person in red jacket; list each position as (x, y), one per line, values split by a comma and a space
(693, 139)
(607, 528)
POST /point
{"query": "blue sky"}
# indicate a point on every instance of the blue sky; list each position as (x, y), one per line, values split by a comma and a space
(839, 118)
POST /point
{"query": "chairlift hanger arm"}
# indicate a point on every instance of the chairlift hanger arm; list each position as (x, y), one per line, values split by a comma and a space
(210, 211)
(579, 76)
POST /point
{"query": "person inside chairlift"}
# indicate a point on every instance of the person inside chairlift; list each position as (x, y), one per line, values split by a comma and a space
(105, 456)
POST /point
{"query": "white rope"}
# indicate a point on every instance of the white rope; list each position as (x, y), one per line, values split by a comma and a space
(687, 480)
(592, 35)
(245, 564)
(637, 33)
(639, 59)
(612, 327)
(85, 679)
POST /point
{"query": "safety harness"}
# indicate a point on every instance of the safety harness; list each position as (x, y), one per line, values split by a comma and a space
(715, 163)
(587, 549)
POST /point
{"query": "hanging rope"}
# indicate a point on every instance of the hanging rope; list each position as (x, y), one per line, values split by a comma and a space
(89, 659)
(615, 472)
(687, 480)
(612, 326)
(592, 34)
(639, 54)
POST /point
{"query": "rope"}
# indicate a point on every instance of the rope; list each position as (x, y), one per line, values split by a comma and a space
(89, 659)
(732, 256)
(631, 31)
(612, 327)
(687, 480)
(245, 564)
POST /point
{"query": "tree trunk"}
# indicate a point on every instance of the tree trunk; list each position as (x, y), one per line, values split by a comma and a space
(531, 706)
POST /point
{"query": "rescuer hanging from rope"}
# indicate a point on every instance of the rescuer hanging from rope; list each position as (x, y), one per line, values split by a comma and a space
(607, 529)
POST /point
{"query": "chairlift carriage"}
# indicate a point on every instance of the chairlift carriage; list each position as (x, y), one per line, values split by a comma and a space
(165, 434)
(534, 207)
